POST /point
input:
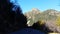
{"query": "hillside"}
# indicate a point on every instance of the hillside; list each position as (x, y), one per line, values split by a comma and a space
(34, 15)
(48, 16)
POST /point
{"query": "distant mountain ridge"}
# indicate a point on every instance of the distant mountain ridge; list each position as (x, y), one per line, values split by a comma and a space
(35, 14)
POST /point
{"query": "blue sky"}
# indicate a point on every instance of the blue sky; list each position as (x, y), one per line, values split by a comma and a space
(42, 5)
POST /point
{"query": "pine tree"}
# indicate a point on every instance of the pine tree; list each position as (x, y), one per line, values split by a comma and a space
(10, 20)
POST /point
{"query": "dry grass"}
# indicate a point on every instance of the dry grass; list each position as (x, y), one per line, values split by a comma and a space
(53, 33)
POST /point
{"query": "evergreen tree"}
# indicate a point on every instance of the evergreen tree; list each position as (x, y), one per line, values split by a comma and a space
(11, 20)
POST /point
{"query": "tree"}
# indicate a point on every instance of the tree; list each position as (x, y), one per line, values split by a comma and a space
(11, 20)
(40, 25)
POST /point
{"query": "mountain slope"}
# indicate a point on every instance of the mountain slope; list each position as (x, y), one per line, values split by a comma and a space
(48, 16)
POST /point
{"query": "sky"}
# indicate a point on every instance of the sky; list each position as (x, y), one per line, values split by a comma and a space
(27, 5)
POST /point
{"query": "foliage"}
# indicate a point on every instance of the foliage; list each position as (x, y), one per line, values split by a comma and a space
(58, 21)
(41, 22)
(11, 20)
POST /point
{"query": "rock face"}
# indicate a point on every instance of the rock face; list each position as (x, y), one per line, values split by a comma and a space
(31, 16)
(49, 16)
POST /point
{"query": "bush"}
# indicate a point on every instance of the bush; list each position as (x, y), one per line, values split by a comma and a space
(41, 22)
(58, 21)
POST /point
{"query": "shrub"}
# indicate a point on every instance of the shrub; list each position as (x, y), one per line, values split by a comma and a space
(58, 21)
(41, 22)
